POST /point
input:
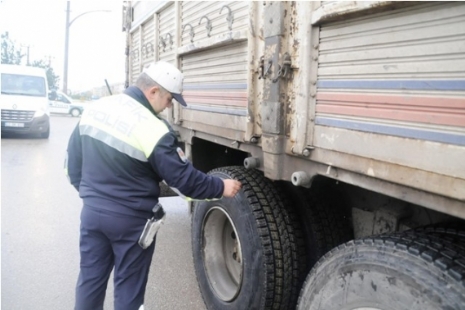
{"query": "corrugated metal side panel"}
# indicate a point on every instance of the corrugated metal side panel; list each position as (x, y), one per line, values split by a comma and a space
(216, 80)
(193, 11)
(135, 55)
(166, 28)
(148, 42)
(398, 73)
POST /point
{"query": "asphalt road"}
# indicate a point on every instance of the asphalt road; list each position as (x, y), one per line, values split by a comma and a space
(40, 232)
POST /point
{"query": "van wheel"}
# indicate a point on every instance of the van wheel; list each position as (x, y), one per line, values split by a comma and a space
(75, 112)
(46, 134)
(242, 246)
(409, 271)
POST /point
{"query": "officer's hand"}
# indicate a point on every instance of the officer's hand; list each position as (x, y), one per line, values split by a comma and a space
(231, 187)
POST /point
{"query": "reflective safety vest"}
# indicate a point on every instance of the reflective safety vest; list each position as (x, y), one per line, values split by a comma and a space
(124, 124)
(120, 152)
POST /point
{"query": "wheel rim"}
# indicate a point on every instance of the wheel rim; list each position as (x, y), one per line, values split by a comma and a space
(75, 112)
(222, 254)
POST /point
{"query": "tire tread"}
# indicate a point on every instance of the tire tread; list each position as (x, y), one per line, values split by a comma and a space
(275, 234)
(429, 245)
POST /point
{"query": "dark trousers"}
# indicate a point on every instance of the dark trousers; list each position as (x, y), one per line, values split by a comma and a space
(111, 240)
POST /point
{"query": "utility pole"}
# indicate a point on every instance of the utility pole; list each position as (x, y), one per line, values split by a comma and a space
(68, 24)
(28, 55)
(27, 47)
(65, 71)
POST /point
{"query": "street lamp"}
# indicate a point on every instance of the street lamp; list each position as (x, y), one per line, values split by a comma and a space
(68, 24)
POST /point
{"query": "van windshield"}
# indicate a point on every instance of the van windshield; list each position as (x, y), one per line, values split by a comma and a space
(25, 85)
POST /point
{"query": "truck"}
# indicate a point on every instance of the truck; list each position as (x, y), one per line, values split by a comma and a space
(344, 122)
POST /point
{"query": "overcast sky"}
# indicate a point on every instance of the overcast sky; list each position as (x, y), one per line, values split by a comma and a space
(96, 40)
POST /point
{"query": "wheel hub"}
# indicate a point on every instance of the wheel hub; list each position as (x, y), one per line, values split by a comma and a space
(222, 254)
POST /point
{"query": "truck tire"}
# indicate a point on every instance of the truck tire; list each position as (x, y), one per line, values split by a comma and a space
(453, 232)
(403, 271)
(325, 218)
(242, 247)
(321, 222)
(299, 249)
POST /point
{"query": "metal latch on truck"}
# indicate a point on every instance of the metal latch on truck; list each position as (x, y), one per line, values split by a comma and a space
(283, 70)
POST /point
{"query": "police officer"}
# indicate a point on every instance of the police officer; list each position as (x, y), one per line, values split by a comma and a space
(117, 156)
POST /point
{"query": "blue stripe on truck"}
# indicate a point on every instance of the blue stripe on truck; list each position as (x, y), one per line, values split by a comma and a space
(406, 132)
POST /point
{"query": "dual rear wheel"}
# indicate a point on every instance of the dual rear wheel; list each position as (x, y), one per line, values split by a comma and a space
(250, 251)
(255, 250)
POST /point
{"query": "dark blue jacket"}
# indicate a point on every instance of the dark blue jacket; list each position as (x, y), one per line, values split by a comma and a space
(121, 150)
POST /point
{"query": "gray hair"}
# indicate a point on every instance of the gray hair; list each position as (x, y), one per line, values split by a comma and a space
(144, 82)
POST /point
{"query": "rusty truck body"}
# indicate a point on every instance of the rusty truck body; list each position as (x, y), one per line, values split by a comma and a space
(345, 123)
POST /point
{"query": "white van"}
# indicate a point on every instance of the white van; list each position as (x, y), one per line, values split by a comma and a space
(24, 100)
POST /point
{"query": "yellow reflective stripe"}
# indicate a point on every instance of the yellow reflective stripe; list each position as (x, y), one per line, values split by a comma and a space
(131, 126)
(115, 143)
